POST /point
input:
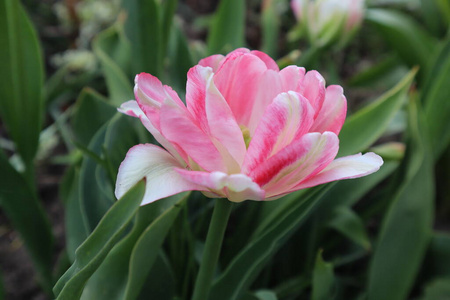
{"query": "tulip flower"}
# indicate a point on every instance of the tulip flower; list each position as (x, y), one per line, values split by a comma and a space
(248, 131)
(329, 22)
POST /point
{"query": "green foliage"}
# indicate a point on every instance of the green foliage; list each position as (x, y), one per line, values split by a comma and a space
(363, 128)
(323, 281)
(93, 251)
(228, 27)
(407, 227)
(21, 80)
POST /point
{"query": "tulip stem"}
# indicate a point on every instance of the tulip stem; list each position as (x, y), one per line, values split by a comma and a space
(214, 238)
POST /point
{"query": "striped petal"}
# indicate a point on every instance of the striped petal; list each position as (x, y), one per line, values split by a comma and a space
(331, 116)
(235, 187)
(287, 118)
(180, 129)
(158, 168)
(313, 88)
(347, 167)
(297, 162)
(211, 110)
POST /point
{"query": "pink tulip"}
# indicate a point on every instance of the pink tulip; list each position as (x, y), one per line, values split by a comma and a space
(249, 131)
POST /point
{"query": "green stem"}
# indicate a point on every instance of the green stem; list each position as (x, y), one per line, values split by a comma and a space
(213, 245)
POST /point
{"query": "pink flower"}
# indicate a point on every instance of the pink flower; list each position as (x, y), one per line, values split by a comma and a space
(248, 131)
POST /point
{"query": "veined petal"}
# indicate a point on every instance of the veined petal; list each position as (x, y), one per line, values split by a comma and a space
(313, 88)
(235, 187)
(239, 81)
(131, 108)
(347, 167)
(291, 78)
(151, 94)
(331, 117)
(288, 117)
(157, 166)
(214, 115)
(213, 61)
(300, 160)
(178, 127)
(270, 63)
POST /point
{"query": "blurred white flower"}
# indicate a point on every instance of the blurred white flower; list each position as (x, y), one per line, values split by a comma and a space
(329, 22)
(78, 60)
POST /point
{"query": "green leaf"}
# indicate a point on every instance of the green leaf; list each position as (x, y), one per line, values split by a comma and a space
(146, 250)
(76, 232)
(114, 53)
(437, 105)
(368, 124)
(348, 223)
(323, 281)
(90, 113)
(407, 227)
(438, 257)
(439, 289)
(21, 204)
(143, 29)
(21, 79)
(110, 279)
(180, 59)
(2, 288)
(95, 198)
(93, 251)
(265, 295)
(168, 8)
(406, 36)
(270, 21)
(244, 268)
(228, 27)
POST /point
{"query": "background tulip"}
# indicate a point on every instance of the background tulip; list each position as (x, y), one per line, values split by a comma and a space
(328, 22)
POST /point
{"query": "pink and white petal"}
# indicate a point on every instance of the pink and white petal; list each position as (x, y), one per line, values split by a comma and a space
(269, 87)
(239, 81)
(197, 79)
(178, 128)
(313, 88)
(288, 117)
(300, 160)
(151, 94)
(212, 61)
(347, 167)
(270, 63)
(334, 109)
(223, 125)
(131, 108)
(214, 116)
(291, 78)
(157, 166)
(235, 187)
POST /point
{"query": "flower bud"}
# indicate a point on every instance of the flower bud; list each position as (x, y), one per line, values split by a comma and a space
(328, 22)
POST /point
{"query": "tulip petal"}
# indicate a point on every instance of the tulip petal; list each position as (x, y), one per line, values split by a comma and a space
(235, 187)
(239, 81)
(313, 88)
(157, 166)
(131, 108)
(180, 129)
(151, 94)
(211, 110)
(213, 61)
(291, 78)
(287, 118)
(270, 63)
(347, 167)
(331, 117)
(301, 160)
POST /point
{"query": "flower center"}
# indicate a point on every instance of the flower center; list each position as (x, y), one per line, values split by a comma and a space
(246, 134)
